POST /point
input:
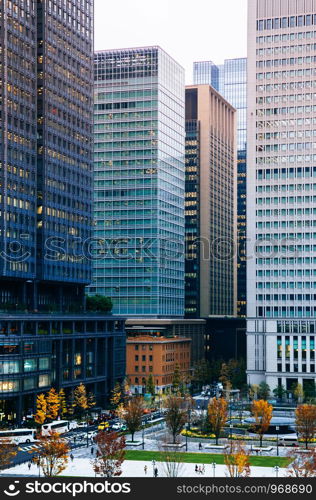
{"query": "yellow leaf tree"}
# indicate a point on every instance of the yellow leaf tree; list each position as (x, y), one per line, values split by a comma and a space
(53, 404)
(62, 403)
(116, 395)
(262, 413)
(305, 419)
(7, 452)
(237, 461)
(52, 454)
(80, 400)
(41, 409)
(217, 415)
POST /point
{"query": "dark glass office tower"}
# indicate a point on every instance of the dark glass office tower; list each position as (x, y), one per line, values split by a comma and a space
(46, 61)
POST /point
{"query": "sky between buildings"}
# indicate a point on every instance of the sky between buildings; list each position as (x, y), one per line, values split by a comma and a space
(189, 30)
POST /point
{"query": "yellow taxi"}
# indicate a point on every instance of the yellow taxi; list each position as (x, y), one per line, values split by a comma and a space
(103, 426)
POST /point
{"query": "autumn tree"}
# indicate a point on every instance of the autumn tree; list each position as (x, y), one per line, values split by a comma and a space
(176, 379)
(305, 419)
(298, 393)
(176, 415)
(302, 465)
(217, 415)
(91, 401)
(110, 454)
(41, 409)
(262, 413)
(133, 413)
(52, 404)
(253, 391)
(52, 454)
(264, 391)
(80, 401)
(150, 386)
(225, 377)
(62, 403)
(237, 461)
(116, 397)
(8, 451)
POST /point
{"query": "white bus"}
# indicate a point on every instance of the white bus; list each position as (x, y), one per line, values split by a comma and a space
(59, 426)
(289, 440)
(19, 436)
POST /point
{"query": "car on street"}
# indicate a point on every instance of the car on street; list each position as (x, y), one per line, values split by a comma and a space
(103, 426)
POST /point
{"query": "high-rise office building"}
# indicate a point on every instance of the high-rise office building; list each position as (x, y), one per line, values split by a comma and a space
(280, 193)
(234, 89)
(139, 181)
(46, 179)
(210, 204)
(232, 84)
(206, 73)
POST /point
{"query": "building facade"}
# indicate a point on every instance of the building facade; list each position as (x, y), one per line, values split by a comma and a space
(159, 357)
(139, 181)
(206, 73)
(281, 285)
(46, 182)
(193, 329)
(210, 201)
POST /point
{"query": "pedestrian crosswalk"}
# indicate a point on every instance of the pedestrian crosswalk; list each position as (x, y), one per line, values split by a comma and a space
(29, 447)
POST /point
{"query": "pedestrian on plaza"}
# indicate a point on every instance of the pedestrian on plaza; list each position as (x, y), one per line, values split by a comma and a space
(200, 446)
(145, 470)
(71, 457)
(156, 472)
(196, 469)
(203, 469)
(92, 450)
(29, 465)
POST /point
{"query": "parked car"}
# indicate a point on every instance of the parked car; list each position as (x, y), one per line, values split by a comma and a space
(118, 426)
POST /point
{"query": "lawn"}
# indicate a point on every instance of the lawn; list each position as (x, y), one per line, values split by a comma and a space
(204, 458)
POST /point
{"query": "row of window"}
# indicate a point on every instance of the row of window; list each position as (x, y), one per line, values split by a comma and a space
(285, 49)
(284, 297)
(285, 75)
(28, 384)
(286, 37)
(286, 312)
(285, 110)
(276, 160)
(290, 61)
(286, 22)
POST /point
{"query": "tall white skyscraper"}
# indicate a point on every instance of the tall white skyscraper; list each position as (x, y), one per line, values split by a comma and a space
(281, 193)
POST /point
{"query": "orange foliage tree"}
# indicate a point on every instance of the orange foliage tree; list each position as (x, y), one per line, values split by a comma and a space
(305, 419)
(53, 404)
(52, 454)
(7, 452)
(217, 415)
(110, 454)
(303, 464)
(41, 409)
(262, 413)
(237, 462)
(176, 415)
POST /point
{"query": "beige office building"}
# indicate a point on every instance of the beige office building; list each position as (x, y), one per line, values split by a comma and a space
(211, 165)
(281, 193)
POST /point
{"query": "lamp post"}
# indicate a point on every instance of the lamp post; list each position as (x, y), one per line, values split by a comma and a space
(276, 468)
(154, 463)
(143, 435)
(231, 437)
(214, 467)
(277, 431)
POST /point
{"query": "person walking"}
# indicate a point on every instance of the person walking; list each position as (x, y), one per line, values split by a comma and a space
(145, 470)
(196, 469)
(71, 457)
(156, 472)
(92, 450)
(29, 465)
(200, 446)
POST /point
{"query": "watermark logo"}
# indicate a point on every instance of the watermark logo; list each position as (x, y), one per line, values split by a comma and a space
(12, 491)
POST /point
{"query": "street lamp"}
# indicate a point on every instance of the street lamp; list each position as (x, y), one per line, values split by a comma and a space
(277, 431)
(276, 468)
(214, 467)
(231, 437)
(143, 435)
(154, 463)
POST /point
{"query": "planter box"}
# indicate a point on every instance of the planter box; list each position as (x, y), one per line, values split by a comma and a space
(135, 443)
(256, 448)
(216, 446)
(175, 446)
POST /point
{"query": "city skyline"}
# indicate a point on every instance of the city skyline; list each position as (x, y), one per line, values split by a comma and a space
(207, 38)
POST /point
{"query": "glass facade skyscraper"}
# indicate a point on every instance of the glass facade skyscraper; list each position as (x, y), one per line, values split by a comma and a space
(139, 181)
(232, 84)
(281, 323)
(46, 196)
(206, 73)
